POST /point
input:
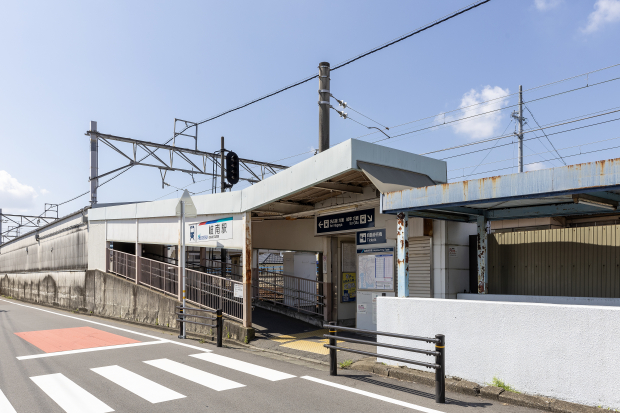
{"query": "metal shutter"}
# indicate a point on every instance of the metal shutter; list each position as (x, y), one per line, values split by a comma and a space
(420, 267)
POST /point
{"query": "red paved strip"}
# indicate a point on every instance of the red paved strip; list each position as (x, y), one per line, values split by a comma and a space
(65, 339)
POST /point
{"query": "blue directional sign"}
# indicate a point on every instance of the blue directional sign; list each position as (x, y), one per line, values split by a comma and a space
(346, 221)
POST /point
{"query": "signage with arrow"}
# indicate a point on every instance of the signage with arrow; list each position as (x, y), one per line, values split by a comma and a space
(346, 221)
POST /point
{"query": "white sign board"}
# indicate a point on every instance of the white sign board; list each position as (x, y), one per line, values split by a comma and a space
(215, 230)
(376, 272)
(238, 291)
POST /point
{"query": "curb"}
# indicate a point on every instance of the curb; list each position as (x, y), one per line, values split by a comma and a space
(457, 385)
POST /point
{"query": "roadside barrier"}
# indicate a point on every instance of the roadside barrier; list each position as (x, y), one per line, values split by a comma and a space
(183, 315)
(439, 353)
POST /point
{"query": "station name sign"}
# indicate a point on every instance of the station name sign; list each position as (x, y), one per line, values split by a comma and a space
(218, 229)
(346, 221)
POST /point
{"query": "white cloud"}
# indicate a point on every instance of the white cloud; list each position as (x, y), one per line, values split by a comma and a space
(605, 11)
(483, 126)
(44, 192)
(15, 195)
(544, 5)
(536, 166)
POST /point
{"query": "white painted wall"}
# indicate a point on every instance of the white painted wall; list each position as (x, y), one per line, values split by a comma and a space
(451, 258)
(563, 351)
(541, 299)
(96, 245)
(291, 235)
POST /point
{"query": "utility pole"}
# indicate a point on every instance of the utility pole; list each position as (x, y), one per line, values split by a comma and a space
(324, 105)
(94, 160)
(518, 117)
(0, 226)
(222, 181)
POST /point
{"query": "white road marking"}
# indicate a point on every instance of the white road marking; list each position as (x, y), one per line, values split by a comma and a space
(249, 368)
(109, 326)
(374, 396)
(197, 376)
(138, 385)
(69, 396)
(86, 350)
(5, 405)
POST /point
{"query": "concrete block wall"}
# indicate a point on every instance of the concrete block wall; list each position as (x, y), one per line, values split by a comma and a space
(568, 352)
(451, 258)
(99, 293)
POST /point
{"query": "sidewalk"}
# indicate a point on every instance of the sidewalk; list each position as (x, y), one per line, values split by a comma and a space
(277, 332)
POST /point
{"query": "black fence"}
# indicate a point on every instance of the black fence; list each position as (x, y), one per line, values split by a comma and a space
(184, 313)
(439, 353)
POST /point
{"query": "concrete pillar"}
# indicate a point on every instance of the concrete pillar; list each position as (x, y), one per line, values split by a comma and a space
(247, 270)
(482, 254)
(330, 277)
(255, 273)
(402, 253)
(138, 265)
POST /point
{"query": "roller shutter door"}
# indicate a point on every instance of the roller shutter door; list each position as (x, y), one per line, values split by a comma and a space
(420, 267)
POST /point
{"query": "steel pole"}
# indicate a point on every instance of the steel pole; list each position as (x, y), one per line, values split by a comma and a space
(324, 105)
(1, 226)
(182, 261)
(402, 253)
(440, 373)
(520, 133)
(222, 182)
(333, 358)
(94, 163)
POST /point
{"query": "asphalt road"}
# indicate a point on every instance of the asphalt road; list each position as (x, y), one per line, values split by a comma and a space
(156, 372)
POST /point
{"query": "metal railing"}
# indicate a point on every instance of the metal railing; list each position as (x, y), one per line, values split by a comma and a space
(301, 294)
(122, 264)
(439, 353)
(211, 266)
(202, 289)
(183, 315)
(215, 292)
(159, 276)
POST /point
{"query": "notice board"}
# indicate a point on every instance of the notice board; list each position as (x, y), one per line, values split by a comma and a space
(348, 287)
(376, 271)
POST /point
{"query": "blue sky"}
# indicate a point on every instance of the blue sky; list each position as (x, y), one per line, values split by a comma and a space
(135, 66)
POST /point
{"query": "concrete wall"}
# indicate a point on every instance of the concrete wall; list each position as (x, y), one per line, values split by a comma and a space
(542, 299)
(97, 245)
(102, 294)
(291, 235)
(563, 351)
(451, 258)
(62, 245)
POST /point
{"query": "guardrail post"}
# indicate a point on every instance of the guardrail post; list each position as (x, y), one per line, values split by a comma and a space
(181, 318)
(220, 325)
(440, 373)
(333, 361)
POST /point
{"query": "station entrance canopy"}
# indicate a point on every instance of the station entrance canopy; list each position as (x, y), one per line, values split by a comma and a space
(582, 189)
(585, 189)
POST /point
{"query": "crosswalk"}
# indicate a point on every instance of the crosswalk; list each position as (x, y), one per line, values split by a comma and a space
(71, 397)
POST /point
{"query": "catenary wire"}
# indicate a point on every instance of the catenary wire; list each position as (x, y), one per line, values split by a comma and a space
(544, 133)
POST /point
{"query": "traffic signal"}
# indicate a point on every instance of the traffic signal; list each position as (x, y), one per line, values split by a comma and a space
(232, 168)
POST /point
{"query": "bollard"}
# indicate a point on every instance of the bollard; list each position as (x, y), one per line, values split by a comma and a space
(333, 361)
(219, 323)
(181, 318)
(440, 373)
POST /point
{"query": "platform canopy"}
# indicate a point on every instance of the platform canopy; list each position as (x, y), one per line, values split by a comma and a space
(591, 188)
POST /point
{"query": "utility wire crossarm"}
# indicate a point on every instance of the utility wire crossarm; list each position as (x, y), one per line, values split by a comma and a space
(183, 153)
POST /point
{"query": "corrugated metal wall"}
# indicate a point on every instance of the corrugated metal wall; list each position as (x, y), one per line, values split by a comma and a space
(61, 246)
(573, 262)
(420, 267)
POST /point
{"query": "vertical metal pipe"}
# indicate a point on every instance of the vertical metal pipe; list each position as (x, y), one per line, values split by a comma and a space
(247, 270)
(1, 227)
(440, 373)
(402, 253)
(222, 182)
(94, 163)
(219, 323)
(182, 258)
(482, 255)
(333, 361)
(520, 124)
(324, 99)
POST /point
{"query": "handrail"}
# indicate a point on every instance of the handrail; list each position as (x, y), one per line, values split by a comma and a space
(439, 353)
(183, 315)
(381, 333)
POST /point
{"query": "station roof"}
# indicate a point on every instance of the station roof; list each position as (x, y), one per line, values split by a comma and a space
(591, 188)
(353, 167)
